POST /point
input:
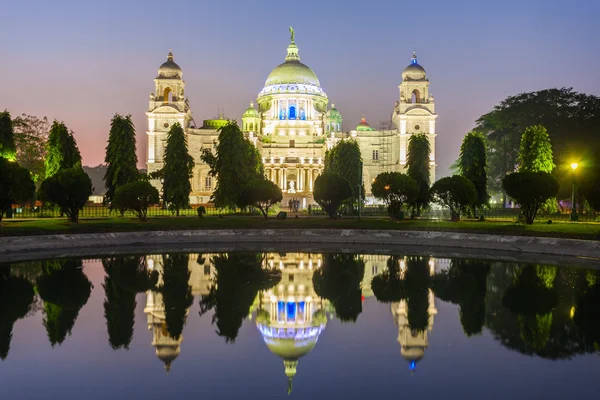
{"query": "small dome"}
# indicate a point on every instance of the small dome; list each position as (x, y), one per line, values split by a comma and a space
(250, 112)
(414, 72)
(169, 69)
(333, 113)
(364, 126)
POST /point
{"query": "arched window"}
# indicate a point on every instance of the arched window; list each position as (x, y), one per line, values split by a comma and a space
(252, 126)
(416, 97)
(302, 114)
(292, 112)
(167, 95)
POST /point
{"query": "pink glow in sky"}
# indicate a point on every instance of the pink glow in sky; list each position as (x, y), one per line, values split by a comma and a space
(82, 62)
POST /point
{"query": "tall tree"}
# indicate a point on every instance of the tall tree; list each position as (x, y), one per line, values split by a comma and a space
(472, 164)
(62, 150)
(176, 291)
(178, 169)
(535, 152)
(7, 137)
(417, 164)
(16, 185)
(125, 278)
(121, 159)
(31, 137)
(236, 162)
(345, 160)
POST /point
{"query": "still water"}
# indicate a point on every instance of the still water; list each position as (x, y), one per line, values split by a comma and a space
(318, 326)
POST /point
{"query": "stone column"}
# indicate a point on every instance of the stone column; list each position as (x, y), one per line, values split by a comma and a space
(310, 179)
(285, 179)
(300, 187)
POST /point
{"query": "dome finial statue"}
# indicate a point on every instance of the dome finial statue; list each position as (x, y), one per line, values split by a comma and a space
(293, 34)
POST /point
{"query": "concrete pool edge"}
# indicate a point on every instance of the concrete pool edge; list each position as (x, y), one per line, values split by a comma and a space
(31, 245)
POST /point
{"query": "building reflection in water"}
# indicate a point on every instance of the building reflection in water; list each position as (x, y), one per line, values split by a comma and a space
(290, 316)
(413, 342)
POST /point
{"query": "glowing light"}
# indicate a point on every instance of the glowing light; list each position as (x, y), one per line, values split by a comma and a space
(574, 166)
(413, 365)
(387, 187)
(572, 312)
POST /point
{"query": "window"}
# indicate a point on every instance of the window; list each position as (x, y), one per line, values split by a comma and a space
(208, 182)
(375, 155)
(206, 270)
(291, 277)
(292, 143)
(292, 112)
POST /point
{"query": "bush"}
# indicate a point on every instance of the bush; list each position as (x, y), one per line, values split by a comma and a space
(455, 192)
(201, 211)
(262, 194)
(69, 189)
(395, 189)
(16, 185)
(330, 191)
(136, 196)
(530, 190)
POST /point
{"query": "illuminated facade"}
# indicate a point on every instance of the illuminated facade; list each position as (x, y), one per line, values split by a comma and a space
(293, 127)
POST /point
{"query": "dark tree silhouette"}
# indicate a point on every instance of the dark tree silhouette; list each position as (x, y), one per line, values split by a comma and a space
(464, 284)
(238, 279)
(125, 278)
(176, 291)
(417, 281)
(388, 287)
(16, 297)
(339, 281)
(65, 289)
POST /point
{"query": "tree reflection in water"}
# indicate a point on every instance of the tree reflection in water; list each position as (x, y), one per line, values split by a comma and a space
(65, 289)
(339, 281)
(176, 292)
(238, 279)
(125, 278)
(464, 284)
(16, 298)
(587, 312)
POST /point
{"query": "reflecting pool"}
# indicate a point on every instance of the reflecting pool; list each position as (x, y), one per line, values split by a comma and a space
(306, 325)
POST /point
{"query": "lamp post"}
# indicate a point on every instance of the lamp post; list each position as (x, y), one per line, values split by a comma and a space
(573, 204)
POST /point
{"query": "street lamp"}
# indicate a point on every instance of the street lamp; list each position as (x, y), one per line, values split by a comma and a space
(573, 205)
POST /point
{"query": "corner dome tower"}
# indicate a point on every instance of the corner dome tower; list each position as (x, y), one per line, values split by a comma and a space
(169, 69)
(414, 72)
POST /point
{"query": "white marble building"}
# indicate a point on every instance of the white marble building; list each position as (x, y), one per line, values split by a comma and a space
(293, 126)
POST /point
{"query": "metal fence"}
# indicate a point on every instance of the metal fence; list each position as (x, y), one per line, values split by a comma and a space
(100, 211)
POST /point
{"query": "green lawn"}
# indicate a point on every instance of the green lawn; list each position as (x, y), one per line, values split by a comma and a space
(590, 231)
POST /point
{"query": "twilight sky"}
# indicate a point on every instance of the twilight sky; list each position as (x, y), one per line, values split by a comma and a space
(81, 61)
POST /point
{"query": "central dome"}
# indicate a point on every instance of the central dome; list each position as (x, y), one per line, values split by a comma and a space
(292, 72)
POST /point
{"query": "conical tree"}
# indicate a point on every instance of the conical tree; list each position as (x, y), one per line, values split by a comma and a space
(176, 291)
(472, 164)
(125, 278)
(65, 289)
(535, 153)
(417, 281)
(177, 169)
(8, 149)
(121, 158)
(62, 150)
(16, 297)
(345, 160)
(417, 165)
(236, 162)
